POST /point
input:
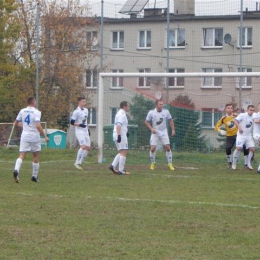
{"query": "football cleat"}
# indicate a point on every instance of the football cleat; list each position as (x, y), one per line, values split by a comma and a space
(16, 178)
(78, 166)
(171, 167)
(234, 166)
(123, 172)
(111, 167)
(152, 167)
(249, 167)
(34, 179)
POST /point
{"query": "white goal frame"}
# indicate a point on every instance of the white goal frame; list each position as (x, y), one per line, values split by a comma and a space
(100, 134)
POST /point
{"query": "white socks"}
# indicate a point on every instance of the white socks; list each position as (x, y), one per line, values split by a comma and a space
(82, 154)
(122, 160)
(229, 158)
(235, 156)
(35, 169)
(246, 159)
(116, 160)
(152, 157)
(169, 156)
(18, 164)
(250, 155)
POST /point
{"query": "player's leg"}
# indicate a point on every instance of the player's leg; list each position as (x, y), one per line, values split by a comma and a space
(250, 144)
(152, 153)
(24, 147)
(35, 166)
(257, 140)
(168, 152)
(230, 141)
(86, 148)
(80, 153)
(239, 145)
(115, 162)
(246, 153)
(123, 146)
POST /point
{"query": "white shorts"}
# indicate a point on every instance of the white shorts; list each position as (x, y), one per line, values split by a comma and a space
(83, 139)
(257, 138)
(30, 147)
(248, 141)
(156, 139)
(123, 145)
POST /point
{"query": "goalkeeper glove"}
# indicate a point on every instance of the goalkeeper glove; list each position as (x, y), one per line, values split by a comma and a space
(88, 132)
(82, 125)
(222, 132)
(119, 139)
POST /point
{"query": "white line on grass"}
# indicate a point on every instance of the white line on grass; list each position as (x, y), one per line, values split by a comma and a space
(151, 200)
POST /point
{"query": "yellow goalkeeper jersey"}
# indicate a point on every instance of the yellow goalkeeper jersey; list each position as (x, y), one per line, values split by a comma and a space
(230, 126)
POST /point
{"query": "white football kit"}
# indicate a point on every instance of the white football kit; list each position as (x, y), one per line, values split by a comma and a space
(256, 129)
(246, 123)
(80, 116)
(159, 123)
(121, 119)
(30, 138)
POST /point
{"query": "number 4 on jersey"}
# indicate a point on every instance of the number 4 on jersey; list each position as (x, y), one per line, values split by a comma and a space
(27, 120)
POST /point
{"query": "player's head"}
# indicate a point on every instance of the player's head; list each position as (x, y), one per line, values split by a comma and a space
(124, 105)
(250, 110)
(31, 101)
(159, 105)
(81, 101)
(229, 109)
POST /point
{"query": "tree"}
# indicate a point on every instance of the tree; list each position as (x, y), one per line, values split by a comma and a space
(187, 126)
(138, 111)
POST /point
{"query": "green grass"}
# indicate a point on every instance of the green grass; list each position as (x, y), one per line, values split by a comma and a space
(207, 212)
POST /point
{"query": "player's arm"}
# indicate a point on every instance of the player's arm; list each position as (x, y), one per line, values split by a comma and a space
(41, 131)
(148, 124)
(238, 126)
(118, 131)
(256, 120)
(172, 126)
(73, 121)
(218, 125)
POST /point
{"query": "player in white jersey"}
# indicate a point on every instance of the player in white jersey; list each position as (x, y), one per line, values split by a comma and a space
(29, 119)
(79, 120)
(244, 122)
(256, 129)
(156, 121)
(120, 134)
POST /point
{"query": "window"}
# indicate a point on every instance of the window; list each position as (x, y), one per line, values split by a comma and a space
(144, 40)
(210, 117)
(91, 78)
(212, 82)
(176, 38)
(246, 37)
(92, 116)
(118, 40)
(113, 114)
(92, 40)
(175, 82)
(212, 37)
(144, 82)
(117, 82)
(246, 82)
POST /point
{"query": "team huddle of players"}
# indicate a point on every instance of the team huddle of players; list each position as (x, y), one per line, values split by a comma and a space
(242, 130)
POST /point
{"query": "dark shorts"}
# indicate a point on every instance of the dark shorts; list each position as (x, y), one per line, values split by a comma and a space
(230, 141)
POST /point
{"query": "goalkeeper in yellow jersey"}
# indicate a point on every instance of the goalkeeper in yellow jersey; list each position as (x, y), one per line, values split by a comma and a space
(230, 133)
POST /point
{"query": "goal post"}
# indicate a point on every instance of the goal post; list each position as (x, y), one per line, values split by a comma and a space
(188, 96)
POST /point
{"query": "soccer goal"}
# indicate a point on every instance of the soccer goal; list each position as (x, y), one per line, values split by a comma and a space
(10, 135)
(196, 102)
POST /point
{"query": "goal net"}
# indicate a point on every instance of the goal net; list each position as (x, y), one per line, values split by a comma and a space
(10, 135)
(196, 102)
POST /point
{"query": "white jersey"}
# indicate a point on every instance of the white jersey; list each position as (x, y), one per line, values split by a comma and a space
(256, 129)
(246, 123)
(158, 120)
(121, 119)
(80, 116)
(28, 117)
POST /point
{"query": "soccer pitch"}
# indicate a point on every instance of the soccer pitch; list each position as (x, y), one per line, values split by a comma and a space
(202, 210)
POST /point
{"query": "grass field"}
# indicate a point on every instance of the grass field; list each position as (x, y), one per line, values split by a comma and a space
(202, 210)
